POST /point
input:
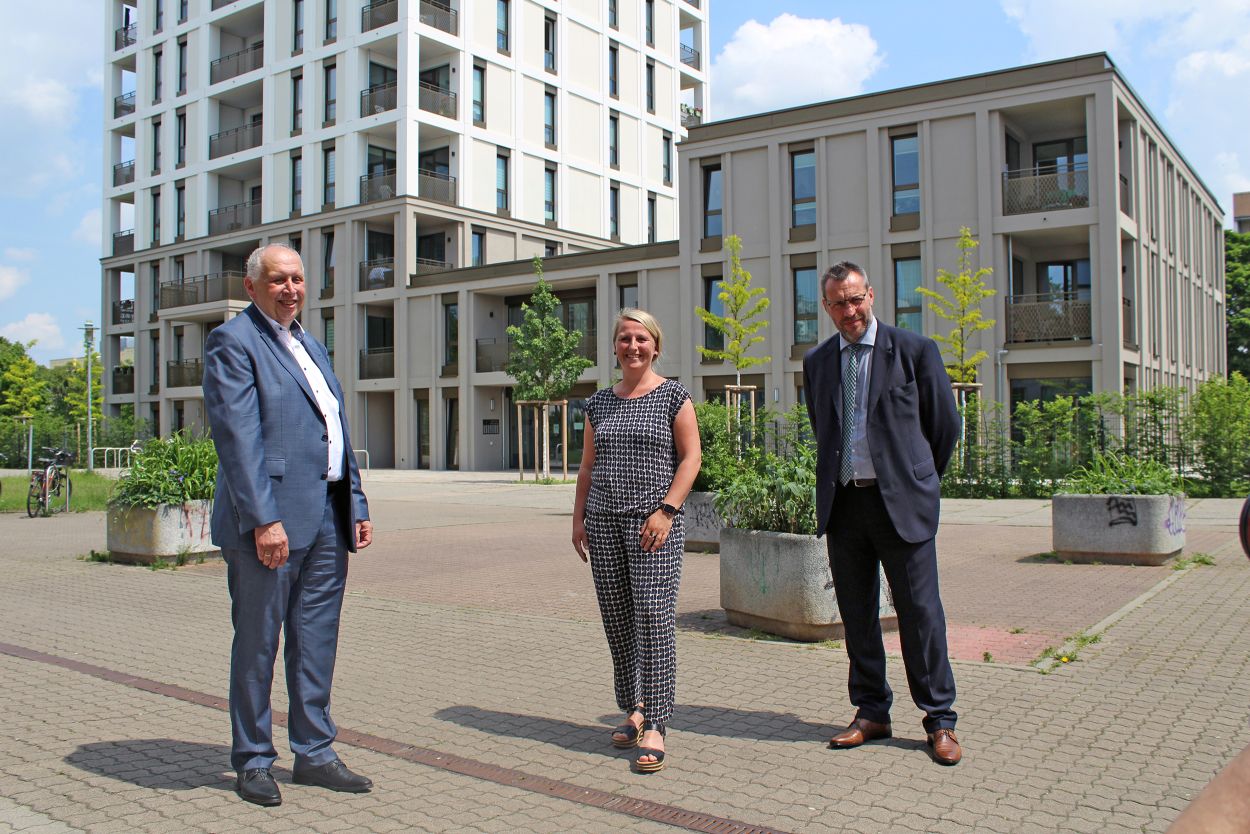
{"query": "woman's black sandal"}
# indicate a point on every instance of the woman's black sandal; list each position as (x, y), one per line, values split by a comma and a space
(658, 764)
(631, 733)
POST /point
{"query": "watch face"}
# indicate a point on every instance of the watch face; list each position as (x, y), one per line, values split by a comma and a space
(1244, 527)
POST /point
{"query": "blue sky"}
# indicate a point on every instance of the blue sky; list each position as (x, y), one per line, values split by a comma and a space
(1189, 60)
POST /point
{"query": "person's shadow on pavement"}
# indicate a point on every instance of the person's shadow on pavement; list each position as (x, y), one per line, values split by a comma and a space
(162, 763)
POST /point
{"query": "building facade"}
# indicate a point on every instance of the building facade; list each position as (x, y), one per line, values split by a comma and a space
(1241, 212)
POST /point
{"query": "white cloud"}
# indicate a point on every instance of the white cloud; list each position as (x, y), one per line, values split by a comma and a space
(11, 278)
(41, 327)
(90, 228)
(12, 253)
(791, 61)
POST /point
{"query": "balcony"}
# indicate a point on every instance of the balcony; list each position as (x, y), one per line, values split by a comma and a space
(232, 218)
(435, 99)
(377, 186)
(123, 105)
(184, 373)
(124, 242)
(123, 379)
(431, 185)
(378, 14)
(439, 16)
(1126, 196)
(691, 116)
(237, 63)
(1026, 191)
(125, 36)
(218, 286)
(493, 354)
(379, 99)
(378, 274)
(428, 266)
(124, 311)
(235, 139)
(124, 173)
(690, 56)
(377, 363)
(1048, 317)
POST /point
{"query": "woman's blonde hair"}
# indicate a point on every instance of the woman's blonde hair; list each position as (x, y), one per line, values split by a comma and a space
(646, 320)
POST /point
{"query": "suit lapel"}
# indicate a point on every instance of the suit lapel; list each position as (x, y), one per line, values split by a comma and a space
(284, 357)
(882, 360)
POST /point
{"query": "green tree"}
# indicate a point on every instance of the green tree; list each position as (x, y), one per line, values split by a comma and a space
(740, 324)
(24, 391)
(544, 358)
(961, 304)
(1237, 300)
(1220, 425)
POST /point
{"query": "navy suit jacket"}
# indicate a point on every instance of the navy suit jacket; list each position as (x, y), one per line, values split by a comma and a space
(913, 426)
(271, 437)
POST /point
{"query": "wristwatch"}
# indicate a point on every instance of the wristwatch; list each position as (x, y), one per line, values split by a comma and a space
(669, 510)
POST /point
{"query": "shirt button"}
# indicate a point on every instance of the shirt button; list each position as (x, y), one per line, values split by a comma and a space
(323, 476)
(325, 437)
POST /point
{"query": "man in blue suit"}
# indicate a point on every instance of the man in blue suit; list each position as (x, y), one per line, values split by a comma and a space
(886, 424)
(288, 508)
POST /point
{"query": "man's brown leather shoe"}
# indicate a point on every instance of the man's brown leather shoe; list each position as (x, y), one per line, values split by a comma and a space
(946, 749)
(860, 730)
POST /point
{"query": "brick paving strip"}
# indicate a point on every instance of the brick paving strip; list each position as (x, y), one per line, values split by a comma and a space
(630, 806)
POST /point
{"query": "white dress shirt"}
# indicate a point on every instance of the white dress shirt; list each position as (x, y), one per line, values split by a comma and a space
(292, 339)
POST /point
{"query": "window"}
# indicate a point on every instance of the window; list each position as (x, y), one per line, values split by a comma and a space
(906, 155)
(803, 188)
(478, 254)
(666, 158)
(651, 208)
(549, 44)
(160, 16)
(712, 201)
(650, 86)
(297, 104)
(907, 311)
(182, 11)
(331, 95)
(612, 19)
(614, 67)
(614, 211)
(156, 146)
(549, 118)
(627, 296)
(649, 14)
(156, 217)
(549, 194)
(713, 339)
(501, 26)
(550, 248)
(1064, 280)
(180, 126)
(451, 333)
(180, 211)
(327, 259)
(806, 295)
(158, 60)
(329, 332)
(332, 20)
(297, 22)
(501, 183)
(479, 95)
(297, 183)
(182, 66)
(296, 242)
(614, 140)
(154, 271)
(327, 174)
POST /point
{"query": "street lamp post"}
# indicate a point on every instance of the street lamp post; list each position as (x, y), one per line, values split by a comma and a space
(88, 337)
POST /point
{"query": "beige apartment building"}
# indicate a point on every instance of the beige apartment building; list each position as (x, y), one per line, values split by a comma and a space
(1241, 212)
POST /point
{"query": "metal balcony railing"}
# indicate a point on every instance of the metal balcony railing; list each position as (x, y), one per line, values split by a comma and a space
(377, 363)
(123, 105)
(1048, 317)
(124, 311)
(237, 63)
(123, 379)
(231, 218)
(435, 99)
(377, 186)
(184, 373)
(217, 286)
(124, 242)
(379, 99)
(378, 14)
(378, 274)
(124, 173)
(691, 116)
(1027, 191)
(439, 16)
(125, 36)
(241, 138)
(1126, 196)
(1130, 323)
(427, 266)
(690, 56)
(432, 185)
(493, 354)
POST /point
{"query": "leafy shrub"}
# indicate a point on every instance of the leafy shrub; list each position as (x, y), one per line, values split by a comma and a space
(1115, 473)
(721, 463)
(775, 491)
(170, 470)
(1220, 427)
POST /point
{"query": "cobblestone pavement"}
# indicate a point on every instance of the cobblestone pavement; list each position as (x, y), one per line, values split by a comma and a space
(470, 630)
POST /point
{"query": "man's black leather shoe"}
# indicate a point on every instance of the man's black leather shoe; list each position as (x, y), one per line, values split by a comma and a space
(257, 787)
(333, 775)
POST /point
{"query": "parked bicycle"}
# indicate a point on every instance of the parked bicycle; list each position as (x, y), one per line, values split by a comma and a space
(50, 486)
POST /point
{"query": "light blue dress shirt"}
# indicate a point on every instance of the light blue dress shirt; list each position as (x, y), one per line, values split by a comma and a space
(861, 452)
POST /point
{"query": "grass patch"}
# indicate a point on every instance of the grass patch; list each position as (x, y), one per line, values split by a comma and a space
(1193, 560)
(986, 657)
(97, 556)
(1015, 631)
(1070, 651)
(756, 634)
(159, 563)
(90, 492)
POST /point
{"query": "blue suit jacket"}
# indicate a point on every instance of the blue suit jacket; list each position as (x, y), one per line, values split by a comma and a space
(913, 426)
(270, 436)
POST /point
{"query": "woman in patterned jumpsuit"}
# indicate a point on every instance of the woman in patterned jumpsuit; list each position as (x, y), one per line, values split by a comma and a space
(639, 463)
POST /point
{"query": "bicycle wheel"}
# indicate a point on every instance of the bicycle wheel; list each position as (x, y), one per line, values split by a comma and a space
(33, 498)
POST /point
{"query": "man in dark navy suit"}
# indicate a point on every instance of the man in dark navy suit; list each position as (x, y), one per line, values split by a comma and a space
(288, 508)
(886, 424)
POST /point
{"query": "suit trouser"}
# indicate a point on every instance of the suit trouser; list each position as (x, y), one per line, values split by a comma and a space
(637, 594)
(304, 596)
(861, 535)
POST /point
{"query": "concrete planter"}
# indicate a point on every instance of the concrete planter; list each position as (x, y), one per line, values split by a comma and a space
(703, 523)
(141, 535)
(1118, 529)
(781, 583)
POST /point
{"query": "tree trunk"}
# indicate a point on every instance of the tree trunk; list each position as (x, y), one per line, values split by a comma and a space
(546, 439)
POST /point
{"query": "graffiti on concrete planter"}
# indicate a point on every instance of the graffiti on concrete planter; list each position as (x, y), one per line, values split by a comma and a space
(1122, 510)
(1175, 521)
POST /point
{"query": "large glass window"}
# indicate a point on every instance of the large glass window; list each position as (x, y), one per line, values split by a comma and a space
(501, 183)
(1065, 280)
(628, 296)
(549, 44)
(649, 21)
(549, 119)
(479, 247)
(332, 19)
(713, 339)
(906, 157)
(451, 333)
(327, 177)
(549, 194)
(806, 306)
(479, 94)
(297, 22)
(612, 18)
(501, 25)
(907, 299)
(803, 188)
(712, 201)
(297, 104)
(182, 66)
(614, 71)
(331, 94)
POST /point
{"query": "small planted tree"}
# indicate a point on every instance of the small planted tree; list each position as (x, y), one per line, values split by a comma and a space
(961, 305)
(543, 359)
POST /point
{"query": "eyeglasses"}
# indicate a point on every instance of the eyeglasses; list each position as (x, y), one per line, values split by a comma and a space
(846, 304)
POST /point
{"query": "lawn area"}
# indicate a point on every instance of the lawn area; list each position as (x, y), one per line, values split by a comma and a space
(90, 492)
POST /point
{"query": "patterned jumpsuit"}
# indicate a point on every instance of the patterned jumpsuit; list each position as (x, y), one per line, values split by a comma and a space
(635, 460)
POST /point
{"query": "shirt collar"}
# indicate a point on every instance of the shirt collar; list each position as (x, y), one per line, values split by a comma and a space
(869, 338)
(296, 329)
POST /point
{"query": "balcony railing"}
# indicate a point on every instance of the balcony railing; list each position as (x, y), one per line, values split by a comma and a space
(123, 379)
(124, 242)
(231, 218)
(327, 283)
(124, 311)
(217, 4)
(1048, 317)
(439, 16)
(379, 99)
(124, 173)
(428, 266)
(1126, 196)
(184, 373)
(691, 116)
(690, 56)
(237, 63)
(123, 105)
(377, 363)
(125, 36)
(378, 14)
(1130, 323)
(435, 99)
(493, 354)
(378, 274)
(217, 286)
(1027, 191)
(379, 185)
(235, 139)
(432, 185)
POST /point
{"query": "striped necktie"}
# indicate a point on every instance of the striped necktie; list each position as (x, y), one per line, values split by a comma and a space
(850, 394)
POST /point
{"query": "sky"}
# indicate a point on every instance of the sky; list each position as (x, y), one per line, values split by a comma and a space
(1188, 60)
